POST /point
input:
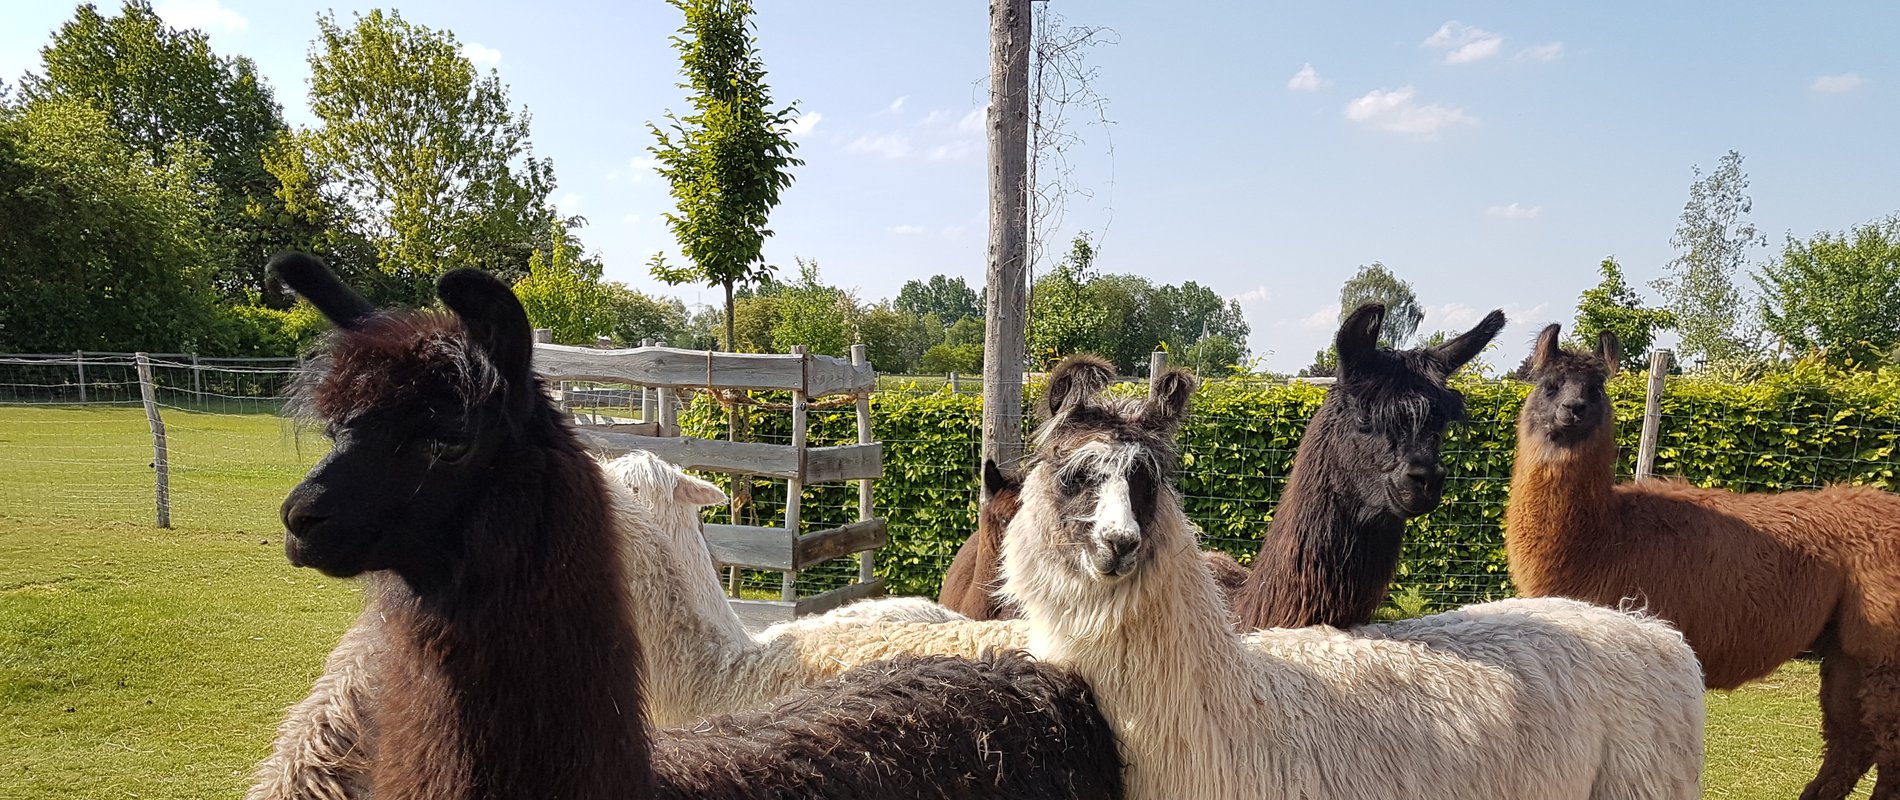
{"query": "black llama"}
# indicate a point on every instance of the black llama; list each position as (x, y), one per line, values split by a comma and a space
(509, 667)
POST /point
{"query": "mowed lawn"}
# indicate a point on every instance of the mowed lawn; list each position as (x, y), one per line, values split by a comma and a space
(147, 663)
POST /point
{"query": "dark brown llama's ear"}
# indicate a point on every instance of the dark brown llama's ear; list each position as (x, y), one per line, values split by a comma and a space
(307, 276)
(1547, 349)
(495, 320)
(1611, 351)
(1358, 336)
(1459, 352)
(1167, 403)
(996, 481)
(1075, 380)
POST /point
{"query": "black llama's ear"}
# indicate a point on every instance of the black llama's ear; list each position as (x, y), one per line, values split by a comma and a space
(995, 480)
(1074, 381)
(1459, 352)
(1610, 350)
(1547, 349)
(1359, 335)
(1168, 398)
(494, 318)
(307, 276)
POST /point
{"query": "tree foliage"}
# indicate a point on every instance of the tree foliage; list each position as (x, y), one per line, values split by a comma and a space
(813, 314)
(1613, 306)
(1063, 317)
(729, 158)
(1837, 292)
(164, 89)
(1373, 283)
(425, 151)
(951, 299)
(563, 292)
(1714, 238)
(1125, 317)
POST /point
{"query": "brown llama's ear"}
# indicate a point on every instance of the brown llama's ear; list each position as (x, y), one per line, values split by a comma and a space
(1547, 348)
(307, 276)
(1358, 336)
(1610, 350)
(495, 320)
(1459, 352)
(996, 481)
(1075, 380)
(1168, 399)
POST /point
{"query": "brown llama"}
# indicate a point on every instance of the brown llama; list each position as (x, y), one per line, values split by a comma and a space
(1751, 579)
(509, 666)
(972, 583)
(1368, 461)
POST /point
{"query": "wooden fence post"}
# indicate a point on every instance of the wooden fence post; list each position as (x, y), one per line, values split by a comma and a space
(867, 566)
(159, 453)
(1157, 364)
(1652, 415)
(197, 381)
(795, 487)
(79, 358)
(956, 386)
(647, 396)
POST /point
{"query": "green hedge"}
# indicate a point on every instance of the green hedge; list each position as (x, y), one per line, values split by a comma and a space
(1794, 430)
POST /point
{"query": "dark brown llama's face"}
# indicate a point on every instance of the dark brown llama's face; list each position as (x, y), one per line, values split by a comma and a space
(1103, 465)
(1568, 402)
(422, 408)
(1003, 500)
(1385, 419)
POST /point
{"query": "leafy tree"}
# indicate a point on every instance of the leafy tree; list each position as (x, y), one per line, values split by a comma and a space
(813, 314)
(104, 250)
(1836, 292)
(426, 151)
(1063, 317)
(968, 330)
(635, 316)
(1373, 283)
(1714, 237)
(753, 321)
(895, 341)
(1211, 355)
(951, 299)
(1613, 306)
(563, 292)
(726, 161)
(1325, 364)
(163, 88)
(945, 358)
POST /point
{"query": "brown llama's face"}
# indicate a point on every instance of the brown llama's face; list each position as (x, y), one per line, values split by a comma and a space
(1103, 465)
(1004, 497)
(1568, 402)
(423, 409)
(1384, 422)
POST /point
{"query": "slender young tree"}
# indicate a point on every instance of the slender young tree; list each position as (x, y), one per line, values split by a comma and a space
(729, 158)
(1713, 238)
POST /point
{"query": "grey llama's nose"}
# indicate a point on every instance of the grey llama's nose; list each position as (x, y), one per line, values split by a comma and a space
(1116, 555)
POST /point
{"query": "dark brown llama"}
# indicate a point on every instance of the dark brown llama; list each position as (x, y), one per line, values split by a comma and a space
(1751, 580)
(1367, 462)
(510, 668)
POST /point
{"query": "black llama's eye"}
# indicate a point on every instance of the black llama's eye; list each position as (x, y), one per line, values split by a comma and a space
(448, 452)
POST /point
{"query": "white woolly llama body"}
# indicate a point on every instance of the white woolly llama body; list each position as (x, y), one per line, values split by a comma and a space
(1549, 699)
(700, 661)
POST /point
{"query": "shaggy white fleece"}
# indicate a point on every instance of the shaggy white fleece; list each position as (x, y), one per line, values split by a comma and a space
(1549, 699)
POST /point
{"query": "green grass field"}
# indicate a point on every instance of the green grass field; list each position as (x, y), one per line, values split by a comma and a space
(137, 662)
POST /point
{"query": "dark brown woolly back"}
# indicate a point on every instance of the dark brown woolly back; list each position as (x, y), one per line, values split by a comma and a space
(1004, 726)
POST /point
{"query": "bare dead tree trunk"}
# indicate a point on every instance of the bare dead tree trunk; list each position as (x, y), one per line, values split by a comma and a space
(1006, 310)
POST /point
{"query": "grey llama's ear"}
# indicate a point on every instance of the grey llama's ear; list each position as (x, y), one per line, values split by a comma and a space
(307, 276)
(494, 318)
(1358, 336)
(995, 480)
(1610, 350)
(1075, 380)
(1167, 403)
(1547, 348)
(1459, 352)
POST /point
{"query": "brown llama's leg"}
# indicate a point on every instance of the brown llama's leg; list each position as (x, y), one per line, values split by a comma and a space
(1847, 750)
(1880, 718)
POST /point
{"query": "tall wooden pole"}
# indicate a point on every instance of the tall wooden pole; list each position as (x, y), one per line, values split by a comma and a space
(1006, 312)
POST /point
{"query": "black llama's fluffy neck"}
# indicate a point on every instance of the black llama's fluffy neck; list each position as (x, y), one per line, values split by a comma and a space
(515, 675)
(1328, 554)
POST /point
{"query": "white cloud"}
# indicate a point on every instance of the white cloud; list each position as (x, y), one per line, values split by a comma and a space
(569, 203)
(884, 145)
(1835, 84)
(896, 106)
(1307, 80)
(973, 121)
(481, 55)
(630, 219)
(1460, 317)
(953, 231)
(642, 166)
(1514, 211)
(803, 125)
(1254, 296)
(953, 150)
(1548, 51)
(1396, 111)
(1466, 43)
(206, 15)
(908, 230)
(1324, 319)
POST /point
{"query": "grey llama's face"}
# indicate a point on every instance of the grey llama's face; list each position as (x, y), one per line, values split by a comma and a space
(1105, 491)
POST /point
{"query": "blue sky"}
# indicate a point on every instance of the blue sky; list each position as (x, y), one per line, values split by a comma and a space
(1489, 153)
